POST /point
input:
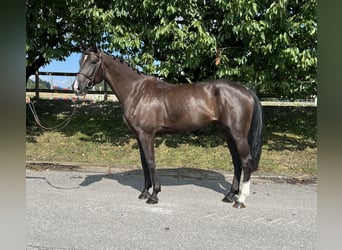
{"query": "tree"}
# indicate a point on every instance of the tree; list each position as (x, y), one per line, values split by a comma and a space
(270, 46)
(42, 84)
(55, 29)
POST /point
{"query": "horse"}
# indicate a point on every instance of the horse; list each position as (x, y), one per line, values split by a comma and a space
(152, 106)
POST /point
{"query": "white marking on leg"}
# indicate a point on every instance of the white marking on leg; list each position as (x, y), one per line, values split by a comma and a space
(244, 191)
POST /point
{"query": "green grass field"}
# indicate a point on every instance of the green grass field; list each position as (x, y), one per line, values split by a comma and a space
(98, 135)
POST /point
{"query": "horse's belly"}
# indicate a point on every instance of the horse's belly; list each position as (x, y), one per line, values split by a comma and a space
(185, 123)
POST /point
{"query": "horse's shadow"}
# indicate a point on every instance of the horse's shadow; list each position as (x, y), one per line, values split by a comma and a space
(168, 177)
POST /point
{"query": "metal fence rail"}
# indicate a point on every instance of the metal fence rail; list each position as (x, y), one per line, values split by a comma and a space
(107, 93)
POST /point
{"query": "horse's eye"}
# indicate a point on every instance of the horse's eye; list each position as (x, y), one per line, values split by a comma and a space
(93, 62)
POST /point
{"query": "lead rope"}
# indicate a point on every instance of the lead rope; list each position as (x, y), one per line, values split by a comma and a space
(60, 126)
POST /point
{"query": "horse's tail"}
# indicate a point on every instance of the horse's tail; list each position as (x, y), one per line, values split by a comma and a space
(255, 133)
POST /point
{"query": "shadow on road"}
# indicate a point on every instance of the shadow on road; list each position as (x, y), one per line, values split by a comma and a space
(176, 177)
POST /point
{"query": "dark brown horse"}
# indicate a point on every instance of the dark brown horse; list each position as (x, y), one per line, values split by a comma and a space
(152, 106)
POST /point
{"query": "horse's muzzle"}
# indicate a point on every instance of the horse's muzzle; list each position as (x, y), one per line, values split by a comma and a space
(78, 89)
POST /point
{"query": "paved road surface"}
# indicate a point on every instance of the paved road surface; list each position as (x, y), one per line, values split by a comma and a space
(88, 209)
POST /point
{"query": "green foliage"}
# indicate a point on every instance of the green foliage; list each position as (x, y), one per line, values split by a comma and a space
(42, 84)
(55, 29)
(271, 46)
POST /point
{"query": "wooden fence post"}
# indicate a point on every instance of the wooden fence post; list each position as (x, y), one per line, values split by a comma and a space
(37, 84)
(105, 94)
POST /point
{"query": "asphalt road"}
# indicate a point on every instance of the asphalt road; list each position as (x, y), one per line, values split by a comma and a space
(89, 209)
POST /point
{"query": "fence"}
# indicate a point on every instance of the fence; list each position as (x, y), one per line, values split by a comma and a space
(103, 95)
(67, 93)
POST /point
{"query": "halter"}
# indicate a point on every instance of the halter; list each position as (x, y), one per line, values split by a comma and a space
(91, 78)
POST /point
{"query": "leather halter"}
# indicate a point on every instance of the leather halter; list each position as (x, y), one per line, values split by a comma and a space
(90, 82)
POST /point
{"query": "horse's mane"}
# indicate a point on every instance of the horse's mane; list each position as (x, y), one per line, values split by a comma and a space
(122, 61)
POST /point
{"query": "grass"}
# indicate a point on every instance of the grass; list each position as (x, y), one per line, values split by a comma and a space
(97, 134)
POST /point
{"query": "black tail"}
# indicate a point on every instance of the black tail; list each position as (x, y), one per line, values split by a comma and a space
(255, 133)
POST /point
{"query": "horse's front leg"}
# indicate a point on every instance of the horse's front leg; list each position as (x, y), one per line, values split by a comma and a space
(147, 178)
(146, 145)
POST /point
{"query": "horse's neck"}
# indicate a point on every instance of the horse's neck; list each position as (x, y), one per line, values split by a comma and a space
(120, 77)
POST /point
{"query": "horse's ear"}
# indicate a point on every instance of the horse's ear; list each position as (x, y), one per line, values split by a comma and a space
(94, 48)
(83, 48)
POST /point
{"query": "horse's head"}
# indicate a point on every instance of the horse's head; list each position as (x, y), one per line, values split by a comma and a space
(90, 71)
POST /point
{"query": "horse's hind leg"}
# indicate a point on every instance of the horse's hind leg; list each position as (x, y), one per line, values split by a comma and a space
(246, 165)
(235, 187)
(242, 160)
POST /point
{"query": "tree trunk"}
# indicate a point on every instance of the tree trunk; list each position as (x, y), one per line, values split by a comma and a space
(31, 69)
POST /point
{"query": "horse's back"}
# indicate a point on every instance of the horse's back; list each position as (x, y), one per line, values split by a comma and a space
(186, 107)
(174, 107)
(224, 91)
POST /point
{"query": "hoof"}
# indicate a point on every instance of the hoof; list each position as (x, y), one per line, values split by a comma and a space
(239, 205)
(144, 196)
(228, 199)
(152, 200)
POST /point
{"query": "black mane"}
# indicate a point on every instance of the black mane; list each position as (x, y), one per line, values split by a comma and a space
(122, 61)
